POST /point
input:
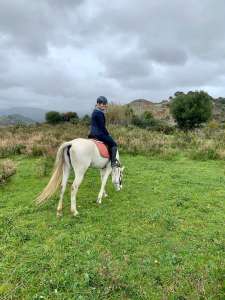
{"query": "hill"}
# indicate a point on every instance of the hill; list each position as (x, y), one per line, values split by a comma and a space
(161, 109)
(14, 119)
(35, 114)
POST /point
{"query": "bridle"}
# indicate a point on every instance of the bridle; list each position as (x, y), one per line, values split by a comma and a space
(120, 179)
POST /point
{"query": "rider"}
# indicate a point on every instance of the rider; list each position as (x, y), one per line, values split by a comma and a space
(99, 131)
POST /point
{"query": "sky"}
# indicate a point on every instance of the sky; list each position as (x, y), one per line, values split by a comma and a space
(62, 55)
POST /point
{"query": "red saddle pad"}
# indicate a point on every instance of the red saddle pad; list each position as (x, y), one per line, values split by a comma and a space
(103, 150)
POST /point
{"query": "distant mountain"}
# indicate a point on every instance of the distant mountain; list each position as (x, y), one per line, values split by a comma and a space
(35, 114)
(15, 119)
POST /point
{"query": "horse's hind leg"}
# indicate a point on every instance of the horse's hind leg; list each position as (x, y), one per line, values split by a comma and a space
(66, 173)
(77, 182)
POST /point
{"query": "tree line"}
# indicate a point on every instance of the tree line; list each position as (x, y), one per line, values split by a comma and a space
(189, 111)
(55, 117)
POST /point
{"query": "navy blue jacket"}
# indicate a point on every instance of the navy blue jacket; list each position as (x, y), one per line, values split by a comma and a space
(98, 123)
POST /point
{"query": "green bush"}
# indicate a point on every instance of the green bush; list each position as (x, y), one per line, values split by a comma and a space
(146, 120)
(191, 109)
(18, 149)
(37, 150)
(12, 150)
(53, 117)
(70, 117)
(86, 120)
(204, 154)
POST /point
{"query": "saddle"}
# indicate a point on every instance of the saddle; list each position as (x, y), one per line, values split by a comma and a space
(102, 148)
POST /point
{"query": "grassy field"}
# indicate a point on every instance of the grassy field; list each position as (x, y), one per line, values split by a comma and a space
(161, 237)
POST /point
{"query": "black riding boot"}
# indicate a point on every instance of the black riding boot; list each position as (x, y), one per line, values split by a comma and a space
(114, 161)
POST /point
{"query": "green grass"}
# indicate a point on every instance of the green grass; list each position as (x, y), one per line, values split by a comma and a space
(161, 237)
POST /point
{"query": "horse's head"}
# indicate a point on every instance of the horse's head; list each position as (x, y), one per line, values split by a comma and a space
(117, 177)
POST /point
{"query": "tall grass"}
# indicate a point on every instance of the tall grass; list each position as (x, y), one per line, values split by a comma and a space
(44, 139)
(7, 169)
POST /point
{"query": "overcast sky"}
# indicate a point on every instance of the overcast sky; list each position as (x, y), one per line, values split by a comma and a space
(62, 54)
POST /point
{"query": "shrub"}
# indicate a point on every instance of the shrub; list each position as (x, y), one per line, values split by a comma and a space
(191, 109)
(74, 120)
(7, 169)
(18, 149)
(12, 150)
(146, 120)
(53, 117)
(86, 120)
(119, 114)
(37, 150)
(213, 124)
(204, 154)
(70, 117)
(165, 128)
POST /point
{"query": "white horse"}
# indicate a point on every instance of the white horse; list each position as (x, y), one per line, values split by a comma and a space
(80, 154)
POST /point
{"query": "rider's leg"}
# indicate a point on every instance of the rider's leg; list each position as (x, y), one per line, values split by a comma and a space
(114, 161)
(112, 146)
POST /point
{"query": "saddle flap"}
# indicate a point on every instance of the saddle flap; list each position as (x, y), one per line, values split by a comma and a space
(102, 148)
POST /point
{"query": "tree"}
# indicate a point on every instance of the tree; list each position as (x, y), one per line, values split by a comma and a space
(70, 117)
(178, 93)
(145, 120)
(86, 120)
(192, 109)
(53, 117)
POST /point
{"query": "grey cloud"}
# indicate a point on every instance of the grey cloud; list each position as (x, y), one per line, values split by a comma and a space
(32, 25)
(197, 27)
(65, 3)
(127, 65)
(168, 55)
(65, 53)
(196, 74)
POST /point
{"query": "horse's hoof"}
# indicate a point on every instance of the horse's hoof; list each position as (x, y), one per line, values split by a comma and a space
(99, 201)
(59, 214)
(74, 213)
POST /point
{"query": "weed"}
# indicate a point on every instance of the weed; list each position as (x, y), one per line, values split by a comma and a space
(7, 169)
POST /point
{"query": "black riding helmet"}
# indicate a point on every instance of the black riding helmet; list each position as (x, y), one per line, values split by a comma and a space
(102, 100)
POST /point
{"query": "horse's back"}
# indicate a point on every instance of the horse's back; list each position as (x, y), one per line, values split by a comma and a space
(83, 145)
(84, 151)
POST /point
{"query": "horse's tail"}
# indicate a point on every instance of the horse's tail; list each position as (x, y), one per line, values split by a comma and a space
(56, 178)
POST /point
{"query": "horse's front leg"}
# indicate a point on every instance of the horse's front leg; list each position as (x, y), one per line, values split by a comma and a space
(77, 182)
(102, 173)
(104, 176)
